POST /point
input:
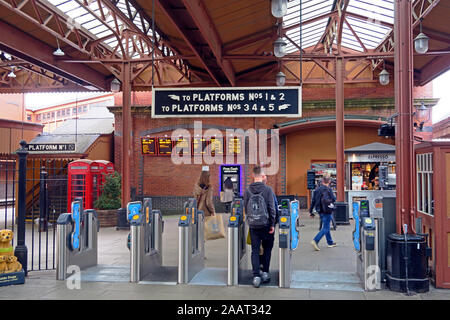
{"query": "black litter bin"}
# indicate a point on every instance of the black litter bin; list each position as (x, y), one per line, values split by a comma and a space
(341, 213)
(122, 221)
(416, 252)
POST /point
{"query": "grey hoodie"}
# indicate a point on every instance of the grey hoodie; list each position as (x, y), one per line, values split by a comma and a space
(268, 195)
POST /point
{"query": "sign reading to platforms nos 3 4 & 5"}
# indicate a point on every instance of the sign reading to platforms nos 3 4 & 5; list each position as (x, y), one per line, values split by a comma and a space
(227, 102)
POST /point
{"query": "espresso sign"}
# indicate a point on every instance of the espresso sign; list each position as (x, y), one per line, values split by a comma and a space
(227, 102)
(51, 147)
(372, 157)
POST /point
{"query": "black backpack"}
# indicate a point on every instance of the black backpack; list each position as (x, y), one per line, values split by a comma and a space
(326, 201)
(257, 213)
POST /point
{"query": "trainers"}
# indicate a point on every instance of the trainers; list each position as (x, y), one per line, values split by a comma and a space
(265, 277)
(256, 282)
(315, 246)
(334, 244)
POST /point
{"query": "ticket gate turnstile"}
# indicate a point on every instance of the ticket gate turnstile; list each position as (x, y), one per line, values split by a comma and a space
(237, 244)
(288, 239)
(146, 244)
(191, 252)
(77, 234)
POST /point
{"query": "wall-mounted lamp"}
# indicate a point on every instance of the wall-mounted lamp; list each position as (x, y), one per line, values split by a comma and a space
(422, 115)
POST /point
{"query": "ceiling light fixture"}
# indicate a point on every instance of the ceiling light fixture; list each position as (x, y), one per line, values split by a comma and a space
(279, 8)
(58, 52)
(421, 41)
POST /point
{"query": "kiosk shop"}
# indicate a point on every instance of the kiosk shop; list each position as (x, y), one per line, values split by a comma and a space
(370, 175)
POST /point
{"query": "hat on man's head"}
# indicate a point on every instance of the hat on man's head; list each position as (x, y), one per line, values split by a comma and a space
(205, 168)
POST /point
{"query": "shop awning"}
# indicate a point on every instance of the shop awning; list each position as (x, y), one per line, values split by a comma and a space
(372, 147)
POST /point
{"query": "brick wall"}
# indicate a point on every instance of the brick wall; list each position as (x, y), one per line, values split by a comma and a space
(158, 176)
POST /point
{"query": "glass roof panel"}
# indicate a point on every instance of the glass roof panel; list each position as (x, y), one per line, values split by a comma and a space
(366, 18)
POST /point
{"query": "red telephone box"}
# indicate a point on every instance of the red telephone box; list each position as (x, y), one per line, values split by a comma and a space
(80, 183)
(99, 170)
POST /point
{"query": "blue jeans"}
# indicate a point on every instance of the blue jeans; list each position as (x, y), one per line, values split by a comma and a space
(325, 220)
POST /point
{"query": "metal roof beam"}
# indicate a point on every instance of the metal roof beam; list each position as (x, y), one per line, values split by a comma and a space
(27, 48)
(205, 25)
(174, 19)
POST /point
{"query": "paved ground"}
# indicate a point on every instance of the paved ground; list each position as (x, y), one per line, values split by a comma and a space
(322, 275)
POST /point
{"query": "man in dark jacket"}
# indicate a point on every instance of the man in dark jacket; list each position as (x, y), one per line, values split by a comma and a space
(325, 218)
(263, 234)
(315, 205)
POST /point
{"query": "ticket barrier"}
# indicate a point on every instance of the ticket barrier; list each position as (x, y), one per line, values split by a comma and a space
(237, 244)
(146, 243)
(191, 252)
(77, 234)
(288, 239)
(365, 239)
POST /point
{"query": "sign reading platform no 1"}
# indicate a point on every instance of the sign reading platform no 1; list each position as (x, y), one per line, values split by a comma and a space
(223, 102)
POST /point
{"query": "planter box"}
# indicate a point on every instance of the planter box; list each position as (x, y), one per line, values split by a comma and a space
(107, 218)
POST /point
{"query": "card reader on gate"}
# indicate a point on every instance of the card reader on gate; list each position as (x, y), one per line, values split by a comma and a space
(364, 208)
(284, 235)
(369, 234)
(238, 207)
(134, 213)
(285, 207)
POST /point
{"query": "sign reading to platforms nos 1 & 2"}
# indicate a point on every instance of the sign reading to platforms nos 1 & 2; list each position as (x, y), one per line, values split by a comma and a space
(227, 102)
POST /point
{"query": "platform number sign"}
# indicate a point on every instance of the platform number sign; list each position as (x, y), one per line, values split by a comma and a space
(76, 216)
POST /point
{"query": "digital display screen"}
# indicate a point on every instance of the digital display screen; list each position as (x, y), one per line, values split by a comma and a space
(165, 146)
(234, 145)
(149, 146)
(216, 146)
(181, 146)
(199, 146)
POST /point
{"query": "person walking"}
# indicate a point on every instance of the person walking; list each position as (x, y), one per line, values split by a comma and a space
(324, 200)
(261, 217)
(227, 194)
(203, 193)
(315, 203)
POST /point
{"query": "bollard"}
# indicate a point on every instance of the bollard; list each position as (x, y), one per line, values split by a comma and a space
(233, 254)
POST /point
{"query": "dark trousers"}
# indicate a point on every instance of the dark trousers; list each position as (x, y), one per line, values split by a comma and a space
(257, 237)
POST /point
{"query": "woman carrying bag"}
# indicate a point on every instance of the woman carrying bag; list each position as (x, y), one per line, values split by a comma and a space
(227, 195)
(203, 193)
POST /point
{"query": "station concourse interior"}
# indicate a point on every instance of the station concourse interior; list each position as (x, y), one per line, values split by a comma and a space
(307, 89)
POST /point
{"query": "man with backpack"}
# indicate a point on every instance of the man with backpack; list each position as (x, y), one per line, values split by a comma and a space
(323, 201)
(261, 218)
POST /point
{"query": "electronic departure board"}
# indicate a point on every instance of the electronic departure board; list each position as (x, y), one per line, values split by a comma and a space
(199, 146)
(216, 146)
(234, 145)
(181, 146)
(149, 146)
(164, 146)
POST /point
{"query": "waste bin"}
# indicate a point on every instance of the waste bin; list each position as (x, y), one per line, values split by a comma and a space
(416, 253)
(341, 213)
(122, 221)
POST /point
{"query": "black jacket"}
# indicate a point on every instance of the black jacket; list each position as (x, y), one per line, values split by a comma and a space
(315, 203)
(268, 195)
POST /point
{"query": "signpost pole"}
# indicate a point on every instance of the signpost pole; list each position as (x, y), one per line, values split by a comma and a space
(21, 251)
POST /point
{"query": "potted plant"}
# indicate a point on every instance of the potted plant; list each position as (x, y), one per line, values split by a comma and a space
(109, 201)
